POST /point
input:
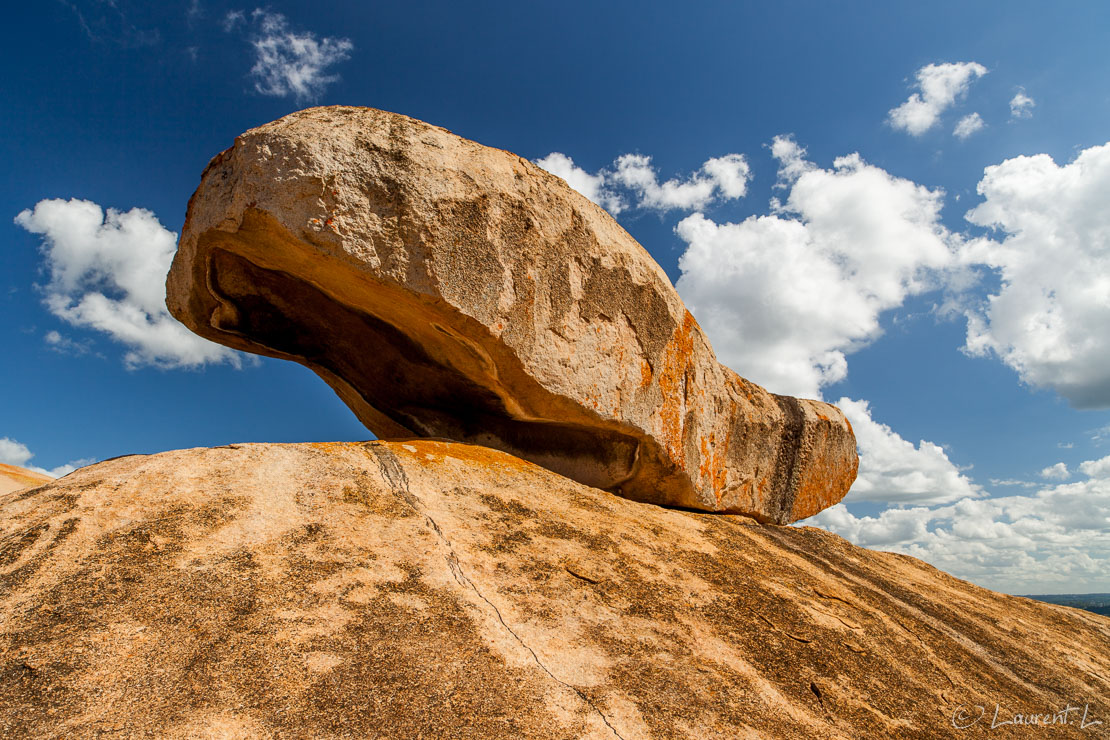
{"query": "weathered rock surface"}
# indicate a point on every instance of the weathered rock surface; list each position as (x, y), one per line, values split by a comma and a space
(447, 289)
(441, 590)
(14, 478)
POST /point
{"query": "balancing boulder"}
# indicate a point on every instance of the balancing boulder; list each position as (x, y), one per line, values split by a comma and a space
(448, 289)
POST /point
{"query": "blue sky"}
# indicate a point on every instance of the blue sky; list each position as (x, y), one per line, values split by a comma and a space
(864, 279)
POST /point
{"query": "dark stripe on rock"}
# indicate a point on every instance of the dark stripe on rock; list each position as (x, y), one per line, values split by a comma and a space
(790, 443)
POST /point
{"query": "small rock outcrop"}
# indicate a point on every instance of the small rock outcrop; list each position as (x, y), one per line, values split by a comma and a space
(447, 289)
(428, 589)
(14, 478)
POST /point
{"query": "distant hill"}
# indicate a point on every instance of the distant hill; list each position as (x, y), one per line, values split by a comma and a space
(13, 478)
(1097, 603)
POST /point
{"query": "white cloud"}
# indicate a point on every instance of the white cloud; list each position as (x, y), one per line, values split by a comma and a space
(785, 297)
(1012, 482)
(1096, 468)
(892, 470)
(1021, 105)
(1057, 540)
(14, 453)
(725, 177)
(108, 272)
(939, 86)
(17, 453)
(1059, 471)
(289, 63)
(718, 178)
(1050, 320)
(591, 186)
(968, 125)
(233, 20)
(65, 345)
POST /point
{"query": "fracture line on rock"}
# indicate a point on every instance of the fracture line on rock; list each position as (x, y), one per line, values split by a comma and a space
(395, 476)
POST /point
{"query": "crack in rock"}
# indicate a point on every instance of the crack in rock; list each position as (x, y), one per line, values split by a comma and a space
(395, 476)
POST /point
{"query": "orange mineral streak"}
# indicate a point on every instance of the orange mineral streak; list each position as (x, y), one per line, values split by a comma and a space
(672, 382)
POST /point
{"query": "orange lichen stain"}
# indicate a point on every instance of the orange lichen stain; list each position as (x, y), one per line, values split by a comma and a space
(827, 478)
(706, 470)
(714, 461)
(676, 358)
(427, 452)
(331, 447)
(645, 373)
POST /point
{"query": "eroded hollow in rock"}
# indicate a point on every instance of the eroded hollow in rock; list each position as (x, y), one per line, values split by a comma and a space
(421, 393)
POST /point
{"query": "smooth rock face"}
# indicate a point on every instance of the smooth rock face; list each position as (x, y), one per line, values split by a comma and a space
(14, 478)
(447, 289)
(441, 590)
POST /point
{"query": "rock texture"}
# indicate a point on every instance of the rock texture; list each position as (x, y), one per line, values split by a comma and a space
(440, 590)
(14, 478)
(447, 289)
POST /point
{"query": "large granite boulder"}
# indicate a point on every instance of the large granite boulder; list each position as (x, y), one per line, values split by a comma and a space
(442, 590)
(447, 289)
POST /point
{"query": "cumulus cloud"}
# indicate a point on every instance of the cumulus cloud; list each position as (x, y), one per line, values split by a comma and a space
(592, 186)
(108, 272)
(17, 453)
(1050, 319)
(1055, 540)
(785, 297)
(14, 453)
(634, 177)
(968, 125)
(1059, 471)
(289, 63)
(939, 86)
(1096, 468)
(892, 470)
(1021, 105)
(725, 176)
